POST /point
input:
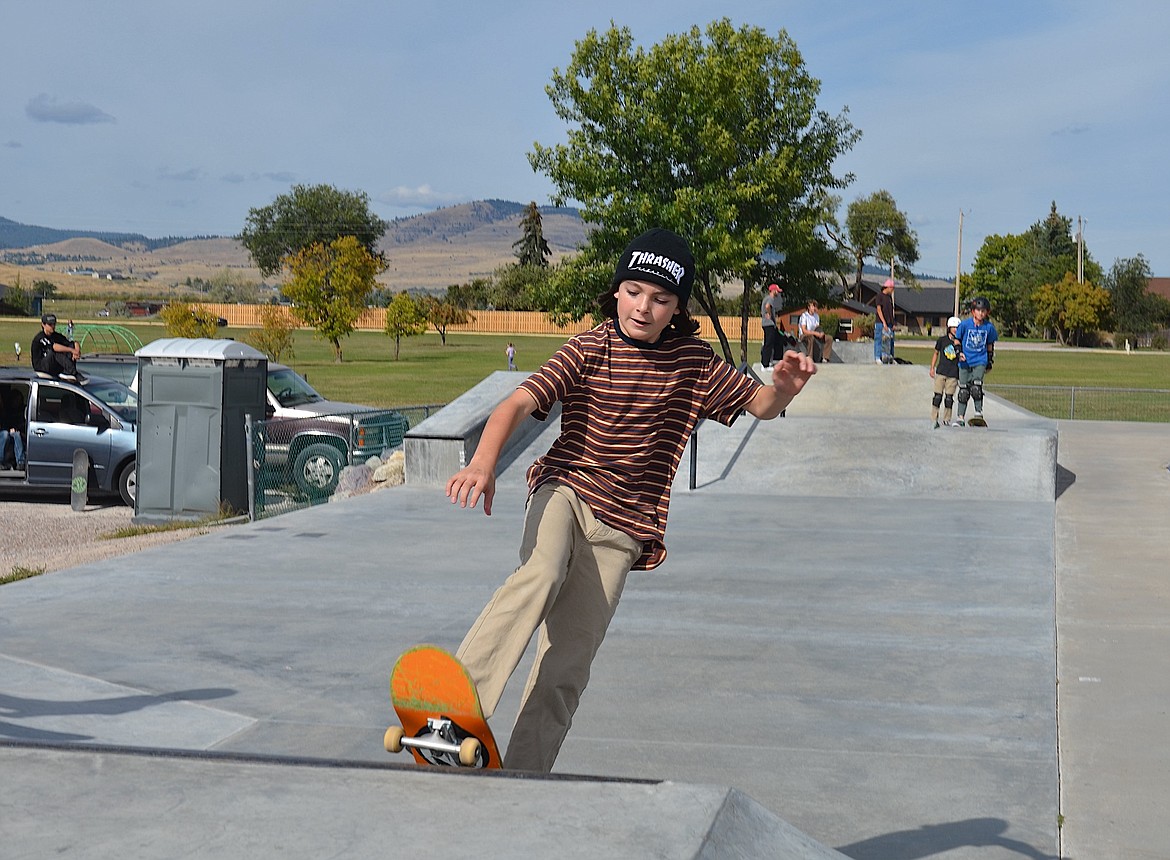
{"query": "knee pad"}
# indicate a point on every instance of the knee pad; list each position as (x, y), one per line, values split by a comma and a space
(950, 401)
(977, 389)
(938, 398)
(964, 393)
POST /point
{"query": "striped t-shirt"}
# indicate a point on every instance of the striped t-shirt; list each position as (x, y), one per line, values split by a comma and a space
(627, 411)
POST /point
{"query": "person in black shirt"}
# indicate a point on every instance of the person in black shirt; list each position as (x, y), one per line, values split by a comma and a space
(53, 353)
(944, 370)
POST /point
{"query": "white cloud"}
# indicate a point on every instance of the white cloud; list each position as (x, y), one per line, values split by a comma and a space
(46, 108)
(423, 195)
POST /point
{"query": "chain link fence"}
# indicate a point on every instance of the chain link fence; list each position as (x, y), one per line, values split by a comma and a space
(297, 462)
(1088, 404)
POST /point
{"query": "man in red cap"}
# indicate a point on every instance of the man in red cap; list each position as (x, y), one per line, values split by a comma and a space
(770, 311)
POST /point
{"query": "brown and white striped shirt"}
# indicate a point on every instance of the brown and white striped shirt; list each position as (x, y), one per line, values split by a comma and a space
(627, 411)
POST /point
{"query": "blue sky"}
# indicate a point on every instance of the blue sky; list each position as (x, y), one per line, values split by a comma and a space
(176, 119)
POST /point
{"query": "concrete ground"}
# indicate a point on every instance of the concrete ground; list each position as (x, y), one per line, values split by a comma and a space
(822, 664)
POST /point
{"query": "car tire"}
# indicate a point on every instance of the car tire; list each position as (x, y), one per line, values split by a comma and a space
(128, 483)
(317, 469)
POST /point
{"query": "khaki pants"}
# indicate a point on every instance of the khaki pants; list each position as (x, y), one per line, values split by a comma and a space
(572, 572)
(816, 348)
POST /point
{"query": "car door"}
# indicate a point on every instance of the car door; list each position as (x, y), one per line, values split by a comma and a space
(62, 420)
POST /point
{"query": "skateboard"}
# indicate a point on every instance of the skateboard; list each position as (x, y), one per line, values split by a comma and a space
(977, 421)
(438, 706)
(79, 487)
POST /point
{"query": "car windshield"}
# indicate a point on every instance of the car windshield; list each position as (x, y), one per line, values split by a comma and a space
(290, 388)
(122, 401)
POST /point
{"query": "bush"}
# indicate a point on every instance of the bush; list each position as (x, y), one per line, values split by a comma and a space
(830, 323)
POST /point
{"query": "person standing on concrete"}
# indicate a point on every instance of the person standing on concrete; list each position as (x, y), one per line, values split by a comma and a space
(771, 310)
(53, 353)
(977, 336)
(883, 324)
(944, 370)
(812, 335)
(631, 391)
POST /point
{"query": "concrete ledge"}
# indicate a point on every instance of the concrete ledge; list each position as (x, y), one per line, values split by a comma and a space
(444, 443)
(153, 803)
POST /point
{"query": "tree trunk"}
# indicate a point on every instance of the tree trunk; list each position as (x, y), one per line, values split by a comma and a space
(706, 298)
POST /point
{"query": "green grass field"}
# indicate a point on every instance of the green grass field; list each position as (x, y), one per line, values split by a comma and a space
(427, 372)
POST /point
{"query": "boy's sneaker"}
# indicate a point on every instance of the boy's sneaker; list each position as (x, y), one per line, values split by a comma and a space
(979, 414)
(68, 377)
(878, 361)
(958, 422)
(934, 425)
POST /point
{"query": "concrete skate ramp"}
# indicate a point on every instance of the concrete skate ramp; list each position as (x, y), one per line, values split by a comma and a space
(864, 431)
(220, 805)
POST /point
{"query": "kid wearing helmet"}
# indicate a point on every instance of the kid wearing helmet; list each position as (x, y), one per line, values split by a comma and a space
(977, 337)
(944, 370)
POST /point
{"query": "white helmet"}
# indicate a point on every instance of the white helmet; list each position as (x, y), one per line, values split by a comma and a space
(953, 322)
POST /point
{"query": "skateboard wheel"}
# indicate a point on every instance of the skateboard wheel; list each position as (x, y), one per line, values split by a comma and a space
(393, 739)
(469, 752)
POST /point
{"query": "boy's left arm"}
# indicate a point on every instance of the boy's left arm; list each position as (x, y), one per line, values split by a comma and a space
(789, 376)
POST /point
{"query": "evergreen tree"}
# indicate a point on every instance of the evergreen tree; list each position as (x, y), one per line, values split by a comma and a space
(531, 247)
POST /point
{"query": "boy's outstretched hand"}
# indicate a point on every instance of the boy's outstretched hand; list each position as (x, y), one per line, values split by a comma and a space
(789, 376)
(791, 373)
(471, 482)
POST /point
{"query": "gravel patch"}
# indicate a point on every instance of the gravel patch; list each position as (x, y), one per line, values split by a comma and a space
(49, 534)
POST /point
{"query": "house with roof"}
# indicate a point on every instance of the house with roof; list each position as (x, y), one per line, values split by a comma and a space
(917, 310)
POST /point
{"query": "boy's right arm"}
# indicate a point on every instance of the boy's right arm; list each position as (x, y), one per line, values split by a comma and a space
(478, 478)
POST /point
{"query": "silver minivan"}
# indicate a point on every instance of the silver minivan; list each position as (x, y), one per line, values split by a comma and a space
(55, 418)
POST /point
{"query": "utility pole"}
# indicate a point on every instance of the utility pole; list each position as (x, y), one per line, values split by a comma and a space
(959, 263)
(1080, 250)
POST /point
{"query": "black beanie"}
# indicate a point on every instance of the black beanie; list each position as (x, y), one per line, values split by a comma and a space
(662, 258)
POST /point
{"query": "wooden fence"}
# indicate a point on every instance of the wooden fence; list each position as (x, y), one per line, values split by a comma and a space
(485, 322)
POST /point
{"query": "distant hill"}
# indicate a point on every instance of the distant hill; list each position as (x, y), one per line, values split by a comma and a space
(16, 235)
(429, 251)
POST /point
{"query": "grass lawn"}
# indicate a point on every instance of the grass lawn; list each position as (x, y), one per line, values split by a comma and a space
(1091, 368)
(428, 372)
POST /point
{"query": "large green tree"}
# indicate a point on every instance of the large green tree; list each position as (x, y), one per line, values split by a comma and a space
(1071, 308)
(309, 215)
(1135, 309)
(714, 134)
(1010, 269)
(875, 228)
(329, 286)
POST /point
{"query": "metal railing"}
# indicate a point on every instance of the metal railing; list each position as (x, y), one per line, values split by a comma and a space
(1087, 403)
(278, 487)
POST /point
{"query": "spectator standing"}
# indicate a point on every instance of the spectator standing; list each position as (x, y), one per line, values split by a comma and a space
(883, 324)
(511, 353)
(771, 310)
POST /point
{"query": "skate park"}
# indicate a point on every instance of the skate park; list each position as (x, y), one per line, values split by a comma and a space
(852, 650)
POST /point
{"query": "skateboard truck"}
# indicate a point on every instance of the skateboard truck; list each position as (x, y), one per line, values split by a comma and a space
(441, 743)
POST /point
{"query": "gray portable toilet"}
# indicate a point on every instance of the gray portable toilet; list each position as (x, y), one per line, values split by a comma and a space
(193, 394)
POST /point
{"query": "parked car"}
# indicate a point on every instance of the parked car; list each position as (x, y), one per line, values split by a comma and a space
(122, 366)
(309, 438)
(59, 417)
(316, 438)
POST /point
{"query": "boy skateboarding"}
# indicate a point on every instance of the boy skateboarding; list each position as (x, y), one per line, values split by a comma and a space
(631, 391)
(977, 336)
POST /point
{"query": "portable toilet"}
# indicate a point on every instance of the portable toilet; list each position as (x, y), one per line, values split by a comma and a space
(193, 396)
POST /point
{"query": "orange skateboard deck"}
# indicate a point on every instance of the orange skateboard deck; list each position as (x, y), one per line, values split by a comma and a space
(438, 706)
